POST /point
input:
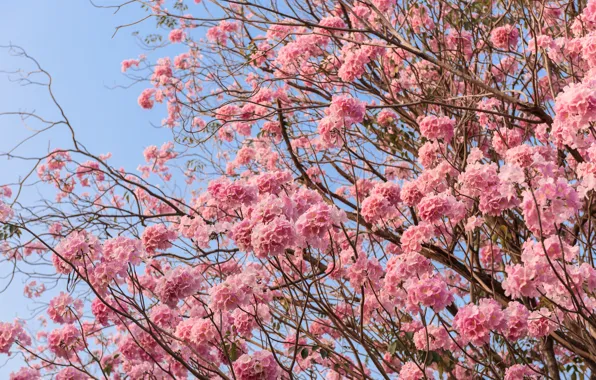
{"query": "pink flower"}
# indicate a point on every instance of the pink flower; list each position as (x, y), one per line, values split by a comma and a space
(491, 256)
(520, 282)
(176, 35)
(33, 289)
(123, 250)
(26, 374)
(432, 338)
(104, 273)
(364, 272)
(273, 238)
(410, 371)
(460, 42)
(128, 63)
(549, 205)
(376, 208)
(101, 311)
(316, 223)
(433, 127)
(5, 191)
(386, 117)
(158, 237)
(409, 265)
(519, 372)
(349, 109)
(233, 292)
(162, 73)
(355, 61)
(589, 12)
(260, 365)
(429, 291)
(65, 341)
(541, 323)
(389, 190)
(575, 108)
(145, 100)
(331, 130)
(165, 317)
(433, 208)
(77, 248)
(413, 238)
(241, 233)
(330, 23)
(233, 194)
(64, 309)
(464, 373)
(504, 37)
(270, 207)
(384, 6)
(354, 65)
(219, 34)
(273, 182)
(177, 284)
(199, 332)
(479, 179)
(411, 194)
(11, 332)
(474, 323)
(196, 229)
(505, 139)
(429, 154)
(71, 373)
(420, 19)
(6, 213)
(517, 321)
(245, 321)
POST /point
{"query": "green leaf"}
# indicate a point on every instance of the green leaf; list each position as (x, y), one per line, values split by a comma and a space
(392, 348)
(324, 353)
(304, 353)
(108, 369)
(234, 352)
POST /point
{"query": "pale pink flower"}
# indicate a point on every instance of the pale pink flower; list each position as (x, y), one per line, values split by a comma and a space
(273, 238)
(25, 374)
(505, 37)
(260, 365)
(158, 237)
(177, 284)
(176, 35)
(433, 127)
(475, 323)
(64, 309)
(65, 341)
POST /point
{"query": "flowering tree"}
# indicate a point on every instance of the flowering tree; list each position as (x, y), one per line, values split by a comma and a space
(354, 189)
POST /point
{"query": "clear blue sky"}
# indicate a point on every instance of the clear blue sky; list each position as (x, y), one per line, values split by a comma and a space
(73, 41)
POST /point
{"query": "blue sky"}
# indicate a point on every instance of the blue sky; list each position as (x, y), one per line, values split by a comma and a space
(73, 41)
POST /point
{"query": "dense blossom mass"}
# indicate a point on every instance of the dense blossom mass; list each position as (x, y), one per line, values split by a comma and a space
(361, 189)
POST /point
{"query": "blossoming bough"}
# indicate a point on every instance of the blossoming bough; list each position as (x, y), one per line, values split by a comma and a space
(372, 188)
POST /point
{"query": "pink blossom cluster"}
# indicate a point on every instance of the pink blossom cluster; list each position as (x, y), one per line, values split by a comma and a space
(64, 309)
(158, 237)
(434, 127)
(26, 374)
(66, 341)
(505, 37)
(474, 323)
(350, 189)
(11, 333)
(259, 365)
(178, 284)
